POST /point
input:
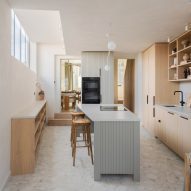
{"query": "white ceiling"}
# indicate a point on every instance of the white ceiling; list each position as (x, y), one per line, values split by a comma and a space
(132, 24)
(41, 25)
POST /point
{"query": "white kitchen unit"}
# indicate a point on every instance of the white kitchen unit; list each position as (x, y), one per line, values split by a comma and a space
(93, 65)
(116, 140)
(173, 127)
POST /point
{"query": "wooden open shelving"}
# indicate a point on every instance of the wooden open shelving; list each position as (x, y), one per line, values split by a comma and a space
(26, 130)
(176, 51)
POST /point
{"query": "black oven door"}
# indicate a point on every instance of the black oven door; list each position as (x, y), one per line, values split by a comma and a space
(91, 85)
(91, 97)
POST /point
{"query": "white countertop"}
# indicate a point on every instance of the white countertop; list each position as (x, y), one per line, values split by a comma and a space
(93, 112)
(31, 111)
(179, 110)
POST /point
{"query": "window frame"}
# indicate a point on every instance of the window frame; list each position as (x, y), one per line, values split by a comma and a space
(26, 40)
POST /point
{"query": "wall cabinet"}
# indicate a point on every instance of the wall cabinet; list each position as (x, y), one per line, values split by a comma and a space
(174, 130)
(26, 130)
(155, 81)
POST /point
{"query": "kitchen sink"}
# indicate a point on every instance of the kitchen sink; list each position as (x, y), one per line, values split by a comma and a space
(169, 105)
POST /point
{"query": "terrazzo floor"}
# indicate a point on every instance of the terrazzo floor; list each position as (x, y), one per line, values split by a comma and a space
(161, 169)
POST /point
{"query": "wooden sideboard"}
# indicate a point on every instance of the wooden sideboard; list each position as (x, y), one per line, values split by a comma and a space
(26, 130)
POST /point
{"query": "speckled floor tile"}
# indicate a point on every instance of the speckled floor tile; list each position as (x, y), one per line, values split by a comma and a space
(161, 169)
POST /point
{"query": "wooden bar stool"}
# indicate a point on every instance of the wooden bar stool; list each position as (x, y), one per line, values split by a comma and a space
(187, 171)
(76, 115)
(85, 123)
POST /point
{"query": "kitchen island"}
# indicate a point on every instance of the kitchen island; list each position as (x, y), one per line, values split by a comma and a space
(116, 139)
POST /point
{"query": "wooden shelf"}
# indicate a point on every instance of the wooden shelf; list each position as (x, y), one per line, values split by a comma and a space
(172, 67)
(185, 49)
(186, 64)
(178, 70)
(25, 137)
(173, 55)
(183, 80)
(173, 80)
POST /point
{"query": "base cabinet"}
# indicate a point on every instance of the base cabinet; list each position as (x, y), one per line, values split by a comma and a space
(26, 131)
(184, 135)
(160, 130)
(174, 130)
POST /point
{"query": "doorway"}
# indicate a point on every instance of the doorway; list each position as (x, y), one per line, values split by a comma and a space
(121, 66)
(124, 82)
(70, 81)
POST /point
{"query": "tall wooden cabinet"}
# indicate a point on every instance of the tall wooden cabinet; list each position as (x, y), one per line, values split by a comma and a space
(156, 87)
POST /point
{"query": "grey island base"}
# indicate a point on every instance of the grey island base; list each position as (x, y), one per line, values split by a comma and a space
(116, 141)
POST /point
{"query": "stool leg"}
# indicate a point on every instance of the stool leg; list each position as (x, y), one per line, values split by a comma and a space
(74, 146)
(87, 141)
(72, 141)
(83, 130)
(71, 135)
(90, 145)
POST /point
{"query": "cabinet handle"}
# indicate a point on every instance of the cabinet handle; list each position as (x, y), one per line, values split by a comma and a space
(100, 72)
(147, 99)
(153, 112)
(171, 113)
(184, 117)
(153, 100)
(159, 121)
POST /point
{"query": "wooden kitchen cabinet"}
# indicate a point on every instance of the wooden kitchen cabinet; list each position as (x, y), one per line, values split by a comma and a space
(172, 131)
(184, 135)
(160, 124)
(156, 87)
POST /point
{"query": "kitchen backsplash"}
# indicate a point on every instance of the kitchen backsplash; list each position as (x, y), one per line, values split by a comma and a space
(186, 88)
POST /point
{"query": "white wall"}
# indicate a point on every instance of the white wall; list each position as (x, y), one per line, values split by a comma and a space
(17, 86)
(33, 56)
(138, 85)
(92, 62)
(46, 59)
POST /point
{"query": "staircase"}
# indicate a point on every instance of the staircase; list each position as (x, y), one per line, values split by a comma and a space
(61, 119)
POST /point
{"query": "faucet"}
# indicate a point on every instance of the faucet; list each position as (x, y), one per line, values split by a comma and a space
(182, 101)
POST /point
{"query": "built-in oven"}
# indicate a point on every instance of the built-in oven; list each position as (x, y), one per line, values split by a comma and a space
(91, 90)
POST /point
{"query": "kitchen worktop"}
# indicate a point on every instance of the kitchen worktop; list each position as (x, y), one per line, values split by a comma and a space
(95, 114)
(31, 111)
(183, 111)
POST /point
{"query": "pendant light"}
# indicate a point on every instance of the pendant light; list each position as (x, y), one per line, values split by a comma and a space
(111, 46)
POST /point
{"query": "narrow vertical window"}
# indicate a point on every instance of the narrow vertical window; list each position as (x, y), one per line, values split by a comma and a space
(12, 33)
(20, 42)
(23, 46)
(17, 39)
(27, 51)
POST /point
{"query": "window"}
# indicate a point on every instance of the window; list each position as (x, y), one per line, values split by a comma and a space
(20, 43)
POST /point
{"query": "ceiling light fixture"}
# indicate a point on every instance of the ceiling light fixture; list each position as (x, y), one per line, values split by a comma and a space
(111, 46)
